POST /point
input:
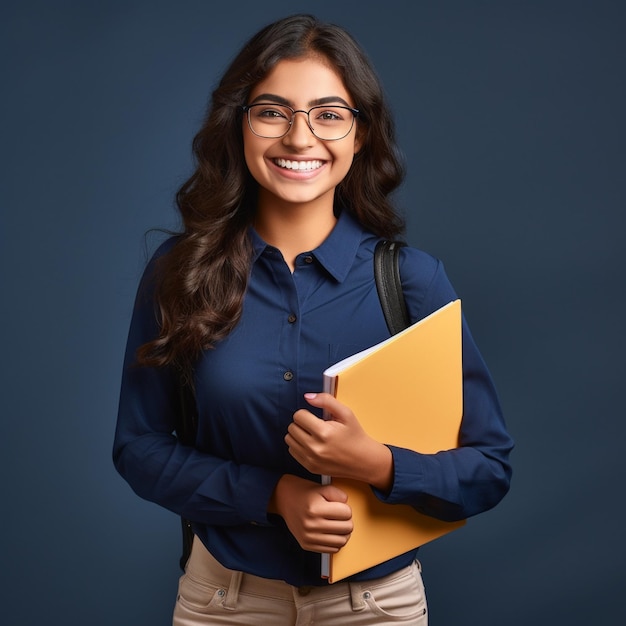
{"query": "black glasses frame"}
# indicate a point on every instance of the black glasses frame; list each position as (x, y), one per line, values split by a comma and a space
(248, 107)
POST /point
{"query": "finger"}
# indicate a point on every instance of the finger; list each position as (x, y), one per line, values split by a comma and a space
(335, 518)
(337, 528)
(295, 443)
(334, 494)
(329, 543)
(299, 437)
(302, 454)
(325, 401)
(329, 532)
(307, 421)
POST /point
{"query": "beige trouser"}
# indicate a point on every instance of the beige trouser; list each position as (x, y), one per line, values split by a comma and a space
(208, 593)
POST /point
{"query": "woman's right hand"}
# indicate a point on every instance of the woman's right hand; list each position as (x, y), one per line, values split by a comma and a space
(318, 516)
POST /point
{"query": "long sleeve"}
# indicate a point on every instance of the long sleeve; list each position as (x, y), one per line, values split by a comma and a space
(292, 327)
(459, 483)
(200, 486)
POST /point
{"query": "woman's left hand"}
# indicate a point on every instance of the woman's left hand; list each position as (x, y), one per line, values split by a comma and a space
(339, 446)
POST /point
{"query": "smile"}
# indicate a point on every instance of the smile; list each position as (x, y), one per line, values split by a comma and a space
(301, 166)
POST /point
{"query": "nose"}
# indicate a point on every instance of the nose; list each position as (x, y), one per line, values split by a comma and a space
(300, 133)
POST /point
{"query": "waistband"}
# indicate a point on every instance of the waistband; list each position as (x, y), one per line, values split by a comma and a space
(204, 566)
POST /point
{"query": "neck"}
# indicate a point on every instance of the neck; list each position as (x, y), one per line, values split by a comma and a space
(294, 228)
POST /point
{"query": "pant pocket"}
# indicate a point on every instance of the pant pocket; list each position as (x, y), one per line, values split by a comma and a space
(199, 596)
(400, 598)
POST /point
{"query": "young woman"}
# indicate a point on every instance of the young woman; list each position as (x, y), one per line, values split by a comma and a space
(270, 282)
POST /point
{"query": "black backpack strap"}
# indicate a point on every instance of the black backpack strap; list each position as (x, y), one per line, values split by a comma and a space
(187, 419)
(389, 285)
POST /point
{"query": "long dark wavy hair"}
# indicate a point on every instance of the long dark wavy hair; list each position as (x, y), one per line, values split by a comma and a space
(202, 280)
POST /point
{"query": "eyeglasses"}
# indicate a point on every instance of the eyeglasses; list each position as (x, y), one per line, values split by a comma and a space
(273, 121)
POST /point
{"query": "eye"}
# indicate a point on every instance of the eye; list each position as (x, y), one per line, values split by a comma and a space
(270, 113)
(329, 115)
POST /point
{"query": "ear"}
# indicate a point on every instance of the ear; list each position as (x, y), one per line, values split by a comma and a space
(359, 139)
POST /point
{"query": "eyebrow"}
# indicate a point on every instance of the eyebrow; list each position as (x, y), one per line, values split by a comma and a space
(312, 103)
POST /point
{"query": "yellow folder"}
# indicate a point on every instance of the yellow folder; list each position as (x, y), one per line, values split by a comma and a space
(406, 391)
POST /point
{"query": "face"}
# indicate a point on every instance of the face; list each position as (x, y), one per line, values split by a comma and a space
(299, 168)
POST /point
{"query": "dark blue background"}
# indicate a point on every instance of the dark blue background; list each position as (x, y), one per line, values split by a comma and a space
(511, 117)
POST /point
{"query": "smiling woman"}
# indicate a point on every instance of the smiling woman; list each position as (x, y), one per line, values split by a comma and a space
(296, 170)
(272, 279)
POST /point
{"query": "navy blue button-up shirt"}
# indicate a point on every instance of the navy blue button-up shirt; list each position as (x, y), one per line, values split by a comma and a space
(293, 326)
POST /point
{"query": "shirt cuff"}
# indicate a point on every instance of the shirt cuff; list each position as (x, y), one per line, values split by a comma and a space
(408, 475)
(255, 491)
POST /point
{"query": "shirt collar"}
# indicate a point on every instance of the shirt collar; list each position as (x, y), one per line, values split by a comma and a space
(258, 245)
(336, 253)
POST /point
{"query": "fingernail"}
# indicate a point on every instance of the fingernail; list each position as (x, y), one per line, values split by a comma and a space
(310, 396)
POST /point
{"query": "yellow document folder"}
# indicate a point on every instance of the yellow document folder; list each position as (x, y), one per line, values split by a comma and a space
(406, 391)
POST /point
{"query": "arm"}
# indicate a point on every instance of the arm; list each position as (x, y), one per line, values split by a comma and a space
(202, 487)
(474, 477)
(449, 485)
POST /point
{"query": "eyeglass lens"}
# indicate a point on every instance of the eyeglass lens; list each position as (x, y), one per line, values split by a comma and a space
(274, 121)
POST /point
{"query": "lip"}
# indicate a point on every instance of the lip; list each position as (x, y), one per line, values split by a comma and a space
(297, 174)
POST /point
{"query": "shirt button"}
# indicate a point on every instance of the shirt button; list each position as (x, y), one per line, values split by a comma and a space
(292, 318)
(308, 259)
(288, 376)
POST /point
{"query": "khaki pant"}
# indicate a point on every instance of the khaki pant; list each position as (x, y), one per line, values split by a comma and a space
(211, 594)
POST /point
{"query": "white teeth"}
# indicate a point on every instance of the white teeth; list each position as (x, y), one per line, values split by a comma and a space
(298, 165)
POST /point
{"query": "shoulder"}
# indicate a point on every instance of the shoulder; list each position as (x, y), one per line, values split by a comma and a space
(150, 275)
(418, 265)
(165, 247)
(162, 250)
(425, 284)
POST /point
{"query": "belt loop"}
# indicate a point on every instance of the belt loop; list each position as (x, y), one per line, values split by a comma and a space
(357, 597)
(230, 601)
